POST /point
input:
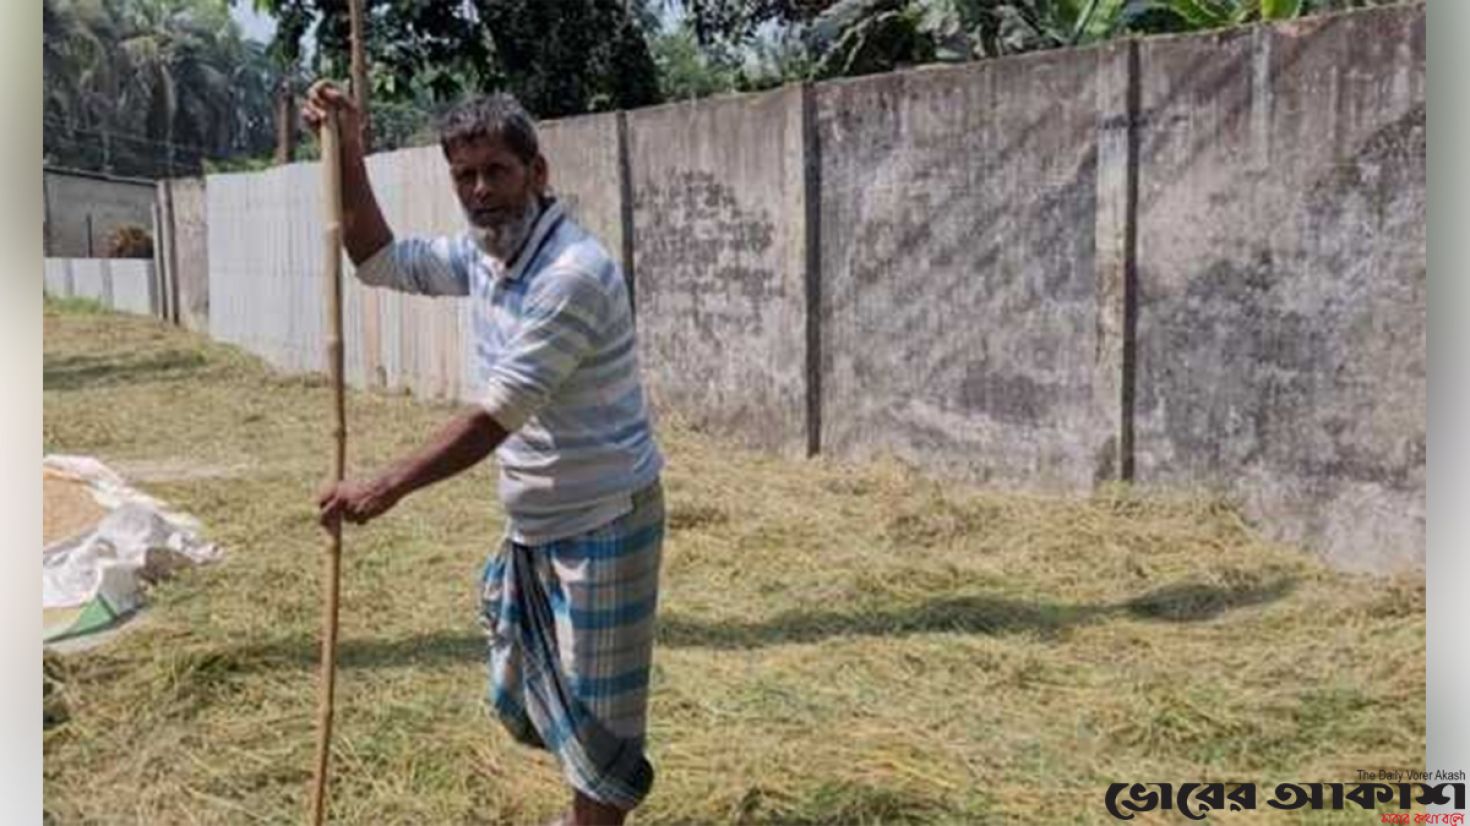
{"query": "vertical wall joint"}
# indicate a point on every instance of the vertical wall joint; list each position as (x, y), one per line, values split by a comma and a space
(1130, 268)
(625, 210)
(811, 198)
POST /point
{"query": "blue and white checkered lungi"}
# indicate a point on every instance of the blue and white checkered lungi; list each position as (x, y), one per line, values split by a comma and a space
(570, 627)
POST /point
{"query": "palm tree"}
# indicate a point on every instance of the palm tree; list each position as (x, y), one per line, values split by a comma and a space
(80, 78)
(170, 79)
(293, 18)
(178, 77)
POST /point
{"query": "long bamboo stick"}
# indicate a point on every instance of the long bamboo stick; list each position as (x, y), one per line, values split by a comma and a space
(332, 247)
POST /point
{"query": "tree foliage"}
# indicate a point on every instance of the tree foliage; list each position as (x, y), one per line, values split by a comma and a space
(856, 37)
(689, 69)
(565, 57)
(559, 57)
(150, 87)
(154, 87)
(849, 40)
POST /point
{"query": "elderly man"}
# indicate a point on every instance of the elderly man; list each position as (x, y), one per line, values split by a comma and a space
(568, 598)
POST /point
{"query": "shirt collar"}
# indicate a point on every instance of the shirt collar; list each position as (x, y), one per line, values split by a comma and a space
(551, 214)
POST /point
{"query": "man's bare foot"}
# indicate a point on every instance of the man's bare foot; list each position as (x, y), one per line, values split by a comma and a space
(589, 812)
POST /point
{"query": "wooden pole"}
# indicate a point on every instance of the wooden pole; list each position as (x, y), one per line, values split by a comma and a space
(332, 247)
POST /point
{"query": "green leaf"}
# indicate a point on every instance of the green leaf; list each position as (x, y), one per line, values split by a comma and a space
(1199, 14)
(1280, 9)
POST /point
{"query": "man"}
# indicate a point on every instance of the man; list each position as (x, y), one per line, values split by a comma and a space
(568, 599)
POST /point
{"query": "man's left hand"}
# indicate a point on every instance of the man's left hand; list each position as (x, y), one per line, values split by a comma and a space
(353, 500)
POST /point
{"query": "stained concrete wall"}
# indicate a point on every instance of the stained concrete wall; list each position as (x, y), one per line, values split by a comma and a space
(1281, 332)
(719, 258)
(960, 306)
(78, 203)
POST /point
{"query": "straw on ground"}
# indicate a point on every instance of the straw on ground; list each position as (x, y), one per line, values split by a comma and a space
(839, 643)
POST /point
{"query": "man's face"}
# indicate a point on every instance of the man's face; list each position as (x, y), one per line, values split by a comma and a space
(498, 192)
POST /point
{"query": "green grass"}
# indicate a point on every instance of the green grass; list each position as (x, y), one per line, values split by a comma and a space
(74, 305)
(839, 643)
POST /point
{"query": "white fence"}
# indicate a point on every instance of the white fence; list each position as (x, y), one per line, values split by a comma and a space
(128, 285)
(266, 291)
(271, 301)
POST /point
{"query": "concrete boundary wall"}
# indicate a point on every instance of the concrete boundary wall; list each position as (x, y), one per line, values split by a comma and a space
(1188, 261)
(82, 209)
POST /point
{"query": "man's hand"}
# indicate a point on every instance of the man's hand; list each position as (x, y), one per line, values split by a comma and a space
(462, 442)
(323, 97)
(355, 501)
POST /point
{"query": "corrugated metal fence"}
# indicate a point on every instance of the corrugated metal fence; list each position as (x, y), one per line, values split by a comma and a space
(271, 302)
(128, 285)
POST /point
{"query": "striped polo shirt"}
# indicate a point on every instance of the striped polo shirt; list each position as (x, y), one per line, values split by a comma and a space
(558, 369)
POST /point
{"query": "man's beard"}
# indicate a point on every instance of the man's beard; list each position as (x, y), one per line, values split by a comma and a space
(502, 239)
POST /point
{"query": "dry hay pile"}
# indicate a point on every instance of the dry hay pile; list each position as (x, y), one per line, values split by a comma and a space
(839, 643)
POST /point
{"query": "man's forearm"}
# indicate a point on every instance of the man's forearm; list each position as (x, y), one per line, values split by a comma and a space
(459, 445)
(364, 230)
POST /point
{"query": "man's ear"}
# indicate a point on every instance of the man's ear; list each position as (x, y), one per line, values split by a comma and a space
(540, 173)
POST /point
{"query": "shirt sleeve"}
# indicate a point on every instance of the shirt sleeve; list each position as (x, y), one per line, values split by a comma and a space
(561, 324)
(426, 266)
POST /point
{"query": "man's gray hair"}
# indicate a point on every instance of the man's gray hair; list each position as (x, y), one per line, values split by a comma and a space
(497, 116)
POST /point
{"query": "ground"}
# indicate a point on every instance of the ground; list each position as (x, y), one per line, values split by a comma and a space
(839, 643)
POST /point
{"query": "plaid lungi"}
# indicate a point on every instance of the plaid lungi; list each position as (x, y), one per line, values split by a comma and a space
(570, 626)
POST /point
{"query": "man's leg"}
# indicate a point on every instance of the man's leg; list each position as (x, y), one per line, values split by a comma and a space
(606, 587)
(571, 626)
(588, 812)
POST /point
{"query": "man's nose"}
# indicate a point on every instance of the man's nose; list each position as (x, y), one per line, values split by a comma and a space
(483, 189)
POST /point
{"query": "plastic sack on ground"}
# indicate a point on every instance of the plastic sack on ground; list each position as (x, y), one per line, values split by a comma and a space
(101, 554)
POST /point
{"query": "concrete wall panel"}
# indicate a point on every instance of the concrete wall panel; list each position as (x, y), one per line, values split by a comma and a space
(719, 260)
(960, 309)
(586, 174)
(1282, 312)
(191, 251)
